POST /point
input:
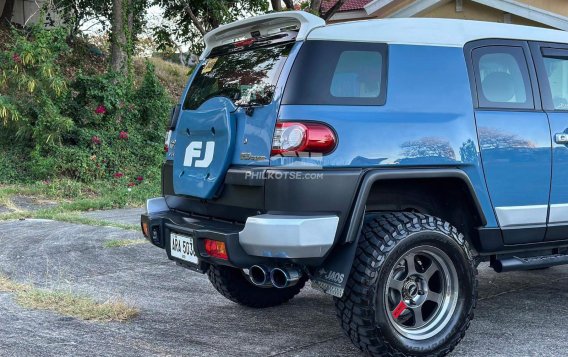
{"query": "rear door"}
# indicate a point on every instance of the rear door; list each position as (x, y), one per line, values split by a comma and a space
(552, 67)
(514, 137)
(228, 115)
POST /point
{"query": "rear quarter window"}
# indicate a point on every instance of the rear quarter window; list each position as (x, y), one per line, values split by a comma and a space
(338, 73)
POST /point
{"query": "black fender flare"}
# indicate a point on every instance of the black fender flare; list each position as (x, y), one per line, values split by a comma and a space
(371, 177)
(331, 277)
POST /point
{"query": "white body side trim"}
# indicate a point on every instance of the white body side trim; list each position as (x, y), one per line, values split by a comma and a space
(558, 214)
(280, 236)
(265, 24)
(518, 216)
(433, 32)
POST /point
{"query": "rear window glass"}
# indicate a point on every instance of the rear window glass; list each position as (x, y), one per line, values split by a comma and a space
(247, 77)
(338, 73)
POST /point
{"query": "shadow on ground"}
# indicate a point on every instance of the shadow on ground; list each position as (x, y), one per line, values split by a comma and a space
(181, 314)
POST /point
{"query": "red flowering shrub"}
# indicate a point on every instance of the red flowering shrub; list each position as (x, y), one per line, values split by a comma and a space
(101, 110)
(96, 140)
(131, 184)
(123, 135)
(139, 178)
(16, 57)
(118, 175)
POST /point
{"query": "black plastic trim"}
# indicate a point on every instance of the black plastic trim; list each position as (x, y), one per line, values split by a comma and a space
(492, 244)
(373, 176)
(556, 232)
(523, 235)
(201, 228)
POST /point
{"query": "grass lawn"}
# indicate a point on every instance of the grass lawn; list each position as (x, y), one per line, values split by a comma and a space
(65, 200)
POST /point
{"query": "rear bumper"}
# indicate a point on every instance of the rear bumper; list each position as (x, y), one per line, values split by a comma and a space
(283, 236)
(261, 238)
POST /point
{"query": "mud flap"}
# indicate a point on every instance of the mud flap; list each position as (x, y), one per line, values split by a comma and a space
(331, 277)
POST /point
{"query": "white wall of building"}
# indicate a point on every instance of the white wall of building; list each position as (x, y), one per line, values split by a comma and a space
(27, 10)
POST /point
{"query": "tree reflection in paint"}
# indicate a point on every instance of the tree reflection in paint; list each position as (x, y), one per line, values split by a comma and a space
(428, 147)
(490, 138)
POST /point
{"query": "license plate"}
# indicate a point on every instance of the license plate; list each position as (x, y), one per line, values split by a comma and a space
(183, 247)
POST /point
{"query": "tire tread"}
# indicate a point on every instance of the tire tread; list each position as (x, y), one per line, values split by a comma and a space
(380, 235)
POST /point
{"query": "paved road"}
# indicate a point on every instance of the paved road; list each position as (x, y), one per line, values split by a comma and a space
(523, 314)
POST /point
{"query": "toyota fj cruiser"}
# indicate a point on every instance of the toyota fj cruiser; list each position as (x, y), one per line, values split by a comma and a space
(382, 160)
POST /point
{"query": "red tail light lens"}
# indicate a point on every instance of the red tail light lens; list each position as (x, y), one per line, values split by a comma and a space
(167, 141)
(216, 249)
(295, 137)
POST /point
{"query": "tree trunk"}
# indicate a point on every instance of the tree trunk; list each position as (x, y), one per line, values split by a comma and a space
(276, 5)
(119, 44)
(315, 6)
(195, 20)
(333, 9)
(7, 12)
(289, 4)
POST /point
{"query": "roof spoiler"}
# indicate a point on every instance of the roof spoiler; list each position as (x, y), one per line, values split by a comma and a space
(263, 24)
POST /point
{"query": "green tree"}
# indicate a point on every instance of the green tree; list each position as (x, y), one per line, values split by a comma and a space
(190, 20)
(76, 13)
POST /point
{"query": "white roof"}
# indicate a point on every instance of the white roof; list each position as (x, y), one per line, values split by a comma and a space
(434, 32)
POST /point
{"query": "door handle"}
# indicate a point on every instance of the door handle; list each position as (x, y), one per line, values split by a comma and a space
(561, 138)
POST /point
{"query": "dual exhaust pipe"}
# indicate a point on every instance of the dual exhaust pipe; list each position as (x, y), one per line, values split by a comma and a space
(277, 277)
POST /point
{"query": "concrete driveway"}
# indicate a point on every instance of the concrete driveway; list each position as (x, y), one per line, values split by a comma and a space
(521, 314)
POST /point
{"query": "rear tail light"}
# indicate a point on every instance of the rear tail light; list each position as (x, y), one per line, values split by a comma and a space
(216, 249)
(296, 137)
(167, 141)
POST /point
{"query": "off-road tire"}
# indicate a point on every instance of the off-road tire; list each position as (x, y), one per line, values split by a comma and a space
(234, 285)
(385, 238)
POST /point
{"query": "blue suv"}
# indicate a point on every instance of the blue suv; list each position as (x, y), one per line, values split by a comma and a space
(382, 160)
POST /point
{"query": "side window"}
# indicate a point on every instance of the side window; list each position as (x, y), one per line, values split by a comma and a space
(557, 73)
(338, 73)
(357, 75)
(502, 78)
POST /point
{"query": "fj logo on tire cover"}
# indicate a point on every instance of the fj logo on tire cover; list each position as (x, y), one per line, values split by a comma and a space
(194, 150)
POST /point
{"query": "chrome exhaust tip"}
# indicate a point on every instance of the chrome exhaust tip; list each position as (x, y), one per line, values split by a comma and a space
(259, 275)
(283, 277)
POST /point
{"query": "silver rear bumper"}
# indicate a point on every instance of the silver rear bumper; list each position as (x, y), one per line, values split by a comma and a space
(282, 236)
